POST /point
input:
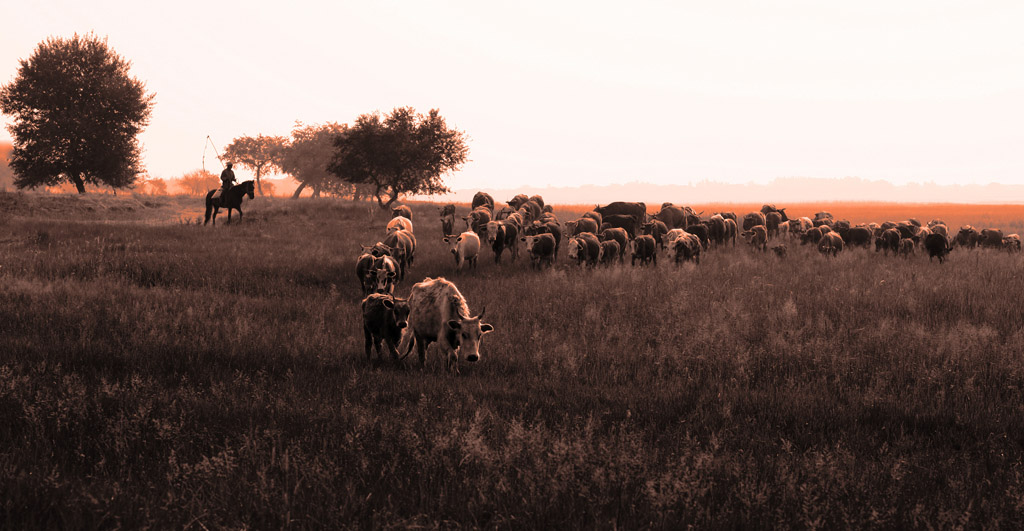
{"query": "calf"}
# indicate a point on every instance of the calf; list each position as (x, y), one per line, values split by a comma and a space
(610, 251)
(685, 247)
(399, 223)
(438, 313)
(830, 244)
(906, 247)
(645, 249)
(620, 237)
(547, 227)
(757, 237)
(465, 248)
(541, 248)
(384, 318)
(656, 229)
(585, 248)
(1011, 243)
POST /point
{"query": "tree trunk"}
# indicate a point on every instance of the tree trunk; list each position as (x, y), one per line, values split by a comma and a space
(302, 186)
(79, 183)
(259, 185)
(316, 190)
(392, 197)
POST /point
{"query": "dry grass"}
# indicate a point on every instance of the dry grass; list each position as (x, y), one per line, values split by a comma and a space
(165, 374)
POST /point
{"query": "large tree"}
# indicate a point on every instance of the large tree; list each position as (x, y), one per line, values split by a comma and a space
(260, 154)
(77, 113)
(401, 153)
(307, 156)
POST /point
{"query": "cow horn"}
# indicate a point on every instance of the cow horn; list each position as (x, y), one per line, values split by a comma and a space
(481, 316)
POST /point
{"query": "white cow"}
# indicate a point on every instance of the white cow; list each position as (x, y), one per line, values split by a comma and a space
(465, 247)
(438, 313)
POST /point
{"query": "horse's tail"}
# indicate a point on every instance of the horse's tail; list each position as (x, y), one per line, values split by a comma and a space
(209, 209)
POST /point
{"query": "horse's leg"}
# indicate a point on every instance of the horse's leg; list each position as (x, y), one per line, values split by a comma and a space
(216, 210)
(229, 214)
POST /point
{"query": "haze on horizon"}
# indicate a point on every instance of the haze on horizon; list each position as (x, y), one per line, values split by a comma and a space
(578, 93)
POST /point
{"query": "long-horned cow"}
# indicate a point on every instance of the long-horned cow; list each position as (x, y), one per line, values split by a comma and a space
(438, 313)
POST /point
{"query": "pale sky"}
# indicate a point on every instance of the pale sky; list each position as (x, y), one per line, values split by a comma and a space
(568, 93)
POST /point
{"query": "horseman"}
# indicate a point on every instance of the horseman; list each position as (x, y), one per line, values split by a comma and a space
(227, 178)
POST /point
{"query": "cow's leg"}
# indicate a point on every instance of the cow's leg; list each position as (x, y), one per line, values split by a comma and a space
(392, 348)
(421, 350)
(368, 337)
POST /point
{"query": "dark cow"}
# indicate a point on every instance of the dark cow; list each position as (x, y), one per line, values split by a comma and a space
(731, 230)
(812, 236)
(686, 247)
(517, 201)
(752, 220)
(447, 213)
(636, 210)
(621, 221)
(483, 199)
(402, 211)
(384, 318)
(907, 229)
(573, 228)
(497, 236)
(657, 229)
(585, 248)
(541, 248)
(906, 247)
(438, 312)
(728, 215)
(992, 238)
(967, 237)
(538, 199)
(503, 213)
(549, 227)
(530, 211)
(830, 244)
(772, 220)
(645, 249)
(701, 232)
(757, 237)
(403, 246)
(1011, 243)
(619, 236)
(610, 251)
(477, 221)
(672, 216)
(779, 250)
(859, 236)
(716, 229)
(765, 209)
(888, 241)
(596, 216)
(364, 268)
(937, 246)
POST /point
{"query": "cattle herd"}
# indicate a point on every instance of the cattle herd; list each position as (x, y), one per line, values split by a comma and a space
(437, 312)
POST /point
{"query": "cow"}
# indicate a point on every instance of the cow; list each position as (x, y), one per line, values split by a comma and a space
(821, 216)
(779, 250)
(859, 236)
(752, 220)
(636, 210)
(701, 232)
(477, 221)
(907, 229)
(364, 268)
(378, 249)
(937, 246)
(731, 230)
(686, 247)
(511, 238)
(830, 244)
(447, 214)
(645, 249)
(621, 221)
(991, 238)
(517, 201)
(382, 275)
(596, 216)
(765, 209)
(934, 222)
(672, 216)
(548, 216)
(967, 237)
(497, 236)
(812, 236)
(940, 228)
(657, 229)
(384, 319)
(610, 251)
(536, 198)
(530, 211)
(906, 247)
(1011, 243)
(541, 248)
(550, 227)
(503, 213)
(585, 248)
(728, 215)
(757, 237)
(402, 211)
(888, 241)
(619, 236)
(573, 228)
(800, 225)
(399, 223)
(464, 248)
(716, 229)
(772, 220)
(438, 313)
(403, 249)
(483, 199)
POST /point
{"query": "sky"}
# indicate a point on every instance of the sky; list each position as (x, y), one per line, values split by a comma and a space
(573, 93)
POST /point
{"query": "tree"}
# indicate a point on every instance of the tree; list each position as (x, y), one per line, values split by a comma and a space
(6, 175)
(402, 153)
(198, 182)
(77, 113)
(260, 154)
(308, 155)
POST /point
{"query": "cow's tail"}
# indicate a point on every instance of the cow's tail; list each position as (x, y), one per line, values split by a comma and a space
(408, 341)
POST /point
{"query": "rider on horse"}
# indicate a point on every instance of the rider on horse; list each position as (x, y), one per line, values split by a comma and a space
(227, 178)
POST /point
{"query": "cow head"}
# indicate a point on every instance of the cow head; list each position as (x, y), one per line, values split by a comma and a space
(384, 280)
(464, 335)
(379, 249)
(576, 248)
(493, 227)
(399, 309)
(453, 243)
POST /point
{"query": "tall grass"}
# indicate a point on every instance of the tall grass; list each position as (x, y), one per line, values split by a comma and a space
(171, 375)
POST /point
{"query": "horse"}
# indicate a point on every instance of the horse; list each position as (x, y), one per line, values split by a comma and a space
(230, 199)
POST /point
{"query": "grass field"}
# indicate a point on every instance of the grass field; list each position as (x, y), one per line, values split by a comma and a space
(154, 372)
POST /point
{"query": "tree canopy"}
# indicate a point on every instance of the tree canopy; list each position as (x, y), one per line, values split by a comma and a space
(308, 155)
(77, 113)
(401, 153)
(260, 154)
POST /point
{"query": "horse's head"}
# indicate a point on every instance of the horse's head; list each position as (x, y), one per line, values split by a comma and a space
(250, 189)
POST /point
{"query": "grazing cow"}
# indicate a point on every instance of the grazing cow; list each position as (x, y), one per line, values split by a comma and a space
(1011, 243)
(573, 228)
(383, 274)
(716, 229)
(906, 247)
(772, 220)
(610, 251)
(550, 227)
(465, 248)
(779, 250)
(672, 216)
(670, 237)
(731, 230)
(991, 238)
(700, 230)
(752, 220)
(538, 199)
(399, 223)
(859, 236)
(585, 248)
(645, 249)
(384, 318)
(364, 269)
(497, 236)
(757, 237)
(937, 246)
(438, 313)
(888, 241)
(517, 201)
(402, 211)
(403, 249)
(619, 236)
(686, 247)
(483, 199)
(635, 210)
(596, 216)
(541, 248)
(621, 221)
(830, 244)
(967, 237)
(447, 213)
(812, 236)
(657, 229)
